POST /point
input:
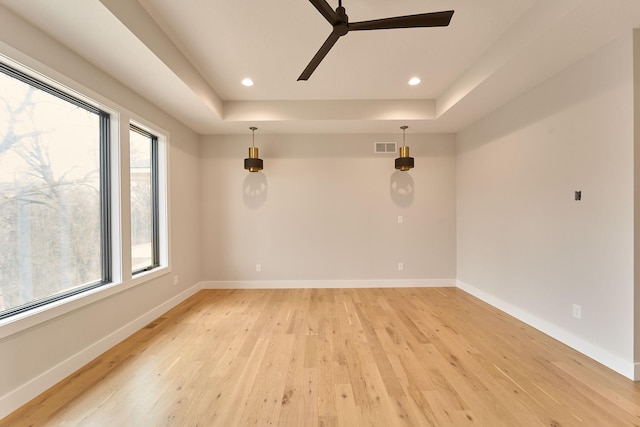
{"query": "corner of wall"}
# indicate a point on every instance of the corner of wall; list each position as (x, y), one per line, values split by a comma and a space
(636, 198)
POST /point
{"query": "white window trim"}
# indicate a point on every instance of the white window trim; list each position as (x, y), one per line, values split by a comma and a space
(120, 205)
(163, 193)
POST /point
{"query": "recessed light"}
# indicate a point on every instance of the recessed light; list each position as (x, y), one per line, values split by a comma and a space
(414, 81)
(247, 82)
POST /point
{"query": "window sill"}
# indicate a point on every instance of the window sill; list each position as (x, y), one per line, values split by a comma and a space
(31, 318)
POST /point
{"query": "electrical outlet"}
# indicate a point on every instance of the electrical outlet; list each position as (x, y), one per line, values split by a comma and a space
(176, 280)
(400, 266)
(258, 268)
(577, 311)
(400, 219)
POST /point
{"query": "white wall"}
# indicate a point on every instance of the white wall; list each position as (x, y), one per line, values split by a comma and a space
(37, 357)
(524, 244)
(326, 209)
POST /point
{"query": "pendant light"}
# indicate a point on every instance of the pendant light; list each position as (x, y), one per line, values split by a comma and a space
(253, 163)
(404, 162)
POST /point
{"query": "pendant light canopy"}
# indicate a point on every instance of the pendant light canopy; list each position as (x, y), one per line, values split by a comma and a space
(253, 163)
(404, 162)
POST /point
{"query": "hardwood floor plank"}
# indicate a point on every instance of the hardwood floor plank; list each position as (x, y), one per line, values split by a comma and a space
(346, 405)
(337, 357)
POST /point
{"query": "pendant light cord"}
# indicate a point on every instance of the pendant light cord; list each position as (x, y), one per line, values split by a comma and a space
(253, 135)
(404, 128)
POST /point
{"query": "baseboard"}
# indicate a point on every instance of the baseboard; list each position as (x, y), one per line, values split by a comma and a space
(318, 284)
(28, 391)
(612, 361)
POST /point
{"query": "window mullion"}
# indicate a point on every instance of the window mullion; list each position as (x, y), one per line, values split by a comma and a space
(155, 192)
(105, 208)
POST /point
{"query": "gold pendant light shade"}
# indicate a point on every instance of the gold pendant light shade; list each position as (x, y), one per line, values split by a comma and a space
(404, 162)
(253, 163)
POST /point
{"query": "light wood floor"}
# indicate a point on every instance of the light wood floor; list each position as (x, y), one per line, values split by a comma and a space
(337, 357)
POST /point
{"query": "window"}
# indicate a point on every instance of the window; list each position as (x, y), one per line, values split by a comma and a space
(54, 194)
(145, 253)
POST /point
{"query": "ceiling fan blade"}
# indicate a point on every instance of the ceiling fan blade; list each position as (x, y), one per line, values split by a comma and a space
(434, 19)
(326, 11)
(319, 56)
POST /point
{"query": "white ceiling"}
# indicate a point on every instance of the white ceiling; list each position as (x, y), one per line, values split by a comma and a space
(189, 56)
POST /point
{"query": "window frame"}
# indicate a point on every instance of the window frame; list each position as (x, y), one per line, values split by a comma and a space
(155, 200)
(106, 241)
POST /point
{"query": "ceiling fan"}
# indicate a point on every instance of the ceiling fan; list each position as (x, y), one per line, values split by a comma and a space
(341, 26)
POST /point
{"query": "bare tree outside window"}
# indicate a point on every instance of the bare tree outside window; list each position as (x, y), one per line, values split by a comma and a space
(50, 195)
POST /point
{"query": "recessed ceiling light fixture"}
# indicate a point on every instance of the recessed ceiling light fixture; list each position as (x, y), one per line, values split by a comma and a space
(414, 81)
(247, 82)
(253, 163)
(404, 162)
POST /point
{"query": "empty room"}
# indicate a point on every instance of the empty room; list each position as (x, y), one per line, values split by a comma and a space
(319, 213)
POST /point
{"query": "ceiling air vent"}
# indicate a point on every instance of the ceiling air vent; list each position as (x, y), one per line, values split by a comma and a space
(385, 147)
